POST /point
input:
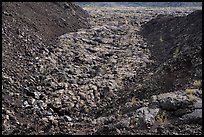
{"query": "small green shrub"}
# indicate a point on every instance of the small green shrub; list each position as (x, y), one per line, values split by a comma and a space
(161, 118)
(197, 83)
(190, 95)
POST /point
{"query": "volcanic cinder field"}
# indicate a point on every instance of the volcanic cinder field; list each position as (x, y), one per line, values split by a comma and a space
(132, 71)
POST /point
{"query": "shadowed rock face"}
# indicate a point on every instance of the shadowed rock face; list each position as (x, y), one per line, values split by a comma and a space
(167, 32)
(175, 45)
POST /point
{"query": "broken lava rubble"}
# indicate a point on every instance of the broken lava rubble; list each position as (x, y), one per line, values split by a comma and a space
(101, 80)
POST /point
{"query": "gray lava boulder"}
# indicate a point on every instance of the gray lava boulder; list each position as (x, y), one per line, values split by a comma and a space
(171, 101)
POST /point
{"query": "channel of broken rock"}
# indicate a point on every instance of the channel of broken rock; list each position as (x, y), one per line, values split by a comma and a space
(86, 74)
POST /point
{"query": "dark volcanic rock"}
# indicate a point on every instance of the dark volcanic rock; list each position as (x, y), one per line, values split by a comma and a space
(167, 32)
(49, 20)
(175, 44)
(29, 30)
(99, 80)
